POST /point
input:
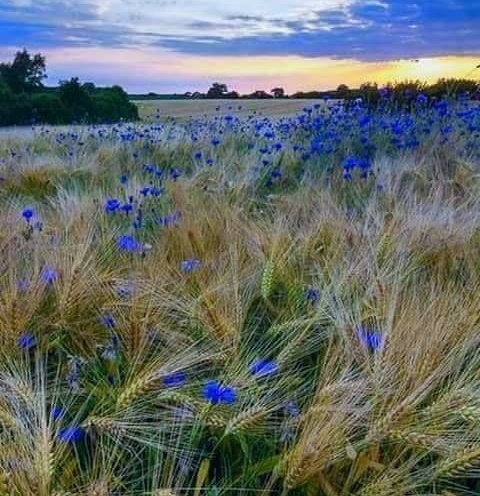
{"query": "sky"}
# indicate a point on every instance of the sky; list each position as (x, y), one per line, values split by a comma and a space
(168, 46)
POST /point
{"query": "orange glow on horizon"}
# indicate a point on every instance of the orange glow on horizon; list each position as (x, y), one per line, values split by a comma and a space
(133, 67)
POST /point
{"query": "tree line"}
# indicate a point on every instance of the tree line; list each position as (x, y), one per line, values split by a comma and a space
(370, 92)
(25, 100)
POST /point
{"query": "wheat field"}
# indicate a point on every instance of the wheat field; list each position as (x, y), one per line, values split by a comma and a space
(238, 305)
(187, 109)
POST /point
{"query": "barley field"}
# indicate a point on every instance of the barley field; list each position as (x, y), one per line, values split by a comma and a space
(243, 305)
(186, 109)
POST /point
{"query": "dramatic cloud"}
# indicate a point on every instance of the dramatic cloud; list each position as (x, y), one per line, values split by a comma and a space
(365, 30)
(183, 43)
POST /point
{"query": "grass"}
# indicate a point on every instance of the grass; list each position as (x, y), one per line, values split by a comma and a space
(338, 316)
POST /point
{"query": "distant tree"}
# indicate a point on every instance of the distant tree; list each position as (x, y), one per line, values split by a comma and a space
(278, 92)
(369, 93)
(113, 104)
(25, 73)
(260, 94)
(343, 91)
(217, 90)
(232, 95)
(310, 95)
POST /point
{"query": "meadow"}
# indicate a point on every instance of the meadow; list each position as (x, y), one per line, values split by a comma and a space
(243, 305)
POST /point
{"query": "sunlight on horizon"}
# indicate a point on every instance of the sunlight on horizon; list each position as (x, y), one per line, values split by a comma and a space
(167, 71)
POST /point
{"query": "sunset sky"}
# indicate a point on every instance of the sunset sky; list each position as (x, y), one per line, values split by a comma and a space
(179, 45)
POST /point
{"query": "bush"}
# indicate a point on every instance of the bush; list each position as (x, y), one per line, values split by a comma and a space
(48, 109)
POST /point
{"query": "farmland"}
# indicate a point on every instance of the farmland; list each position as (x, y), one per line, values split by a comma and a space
(274, 299)
(185, 109)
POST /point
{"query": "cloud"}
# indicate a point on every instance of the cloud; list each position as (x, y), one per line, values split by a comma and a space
(154, 69)
(368, 30)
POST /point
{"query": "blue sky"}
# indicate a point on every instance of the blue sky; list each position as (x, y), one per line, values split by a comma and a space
(121, 37)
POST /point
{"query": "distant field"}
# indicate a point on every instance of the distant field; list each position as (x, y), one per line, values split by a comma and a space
(198, 108)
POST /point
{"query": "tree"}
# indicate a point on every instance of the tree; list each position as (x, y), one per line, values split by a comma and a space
(369, 92)
(25, 73)
(76, 99)
(343, 91)
(217, 90)
(259, 95)
(278, 92)
(89, 88)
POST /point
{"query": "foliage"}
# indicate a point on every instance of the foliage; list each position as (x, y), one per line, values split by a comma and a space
(242, 305)
(23, 99)
(218, 90)
(25, 73)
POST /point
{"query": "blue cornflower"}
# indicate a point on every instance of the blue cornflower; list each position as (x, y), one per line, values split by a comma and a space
(198, 156)
(27, 341)
(124, 290)
(71, 434)
(128, 243)
(384, 92)
(371, 340)
(123, 179)
(312, 295)
(168, 220)
(27, 213)
(144, 191)
(190, 265)
(421, 98)
(291, 409)
(174, 174)
(215, 393)
(48, 275)
(155, 191)
(111, 349)
(127, 207)
(350, 163)
(276, 174)
(215, 141)
(174, 380)
(108, 321)
(111, 205)
(23, 284)
(263, 368)
(56, 412)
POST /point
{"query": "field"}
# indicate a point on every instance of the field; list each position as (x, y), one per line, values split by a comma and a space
(184, 109)
(243, 304)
